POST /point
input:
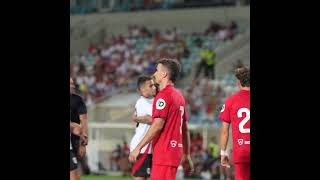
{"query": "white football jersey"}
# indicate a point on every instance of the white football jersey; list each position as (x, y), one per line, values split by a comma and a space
(143, 107)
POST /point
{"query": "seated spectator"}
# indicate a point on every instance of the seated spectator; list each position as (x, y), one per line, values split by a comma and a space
(198, 140)
(214, 147)
(124, 165)
(115, 157)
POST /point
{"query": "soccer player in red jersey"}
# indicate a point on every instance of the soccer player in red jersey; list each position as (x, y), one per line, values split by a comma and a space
(169, 131)
(236, 111)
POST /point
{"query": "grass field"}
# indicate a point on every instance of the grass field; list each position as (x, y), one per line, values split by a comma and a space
(110, 178)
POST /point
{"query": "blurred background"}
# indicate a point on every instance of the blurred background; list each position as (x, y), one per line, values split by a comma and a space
(112, 42)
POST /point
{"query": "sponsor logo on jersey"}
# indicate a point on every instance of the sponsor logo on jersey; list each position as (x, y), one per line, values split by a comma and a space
(173, 143)
(246, 142)
(240, 141)
(160, 104)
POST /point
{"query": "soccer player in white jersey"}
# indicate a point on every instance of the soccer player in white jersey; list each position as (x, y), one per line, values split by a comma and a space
(143, 119)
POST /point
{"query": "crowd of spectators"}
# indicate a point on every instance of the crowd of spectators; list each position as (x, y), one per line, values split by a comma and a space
(205, 99)
(113, 66)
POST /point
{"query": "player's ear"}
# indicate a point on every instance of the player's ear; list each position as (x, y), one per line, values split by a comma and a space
(165, 74)
(139, 90)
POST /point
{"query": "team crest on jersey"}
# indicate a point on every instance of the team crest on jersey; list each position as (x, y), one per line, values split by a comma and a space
(240, 141)
(222, 109)
(160, 104)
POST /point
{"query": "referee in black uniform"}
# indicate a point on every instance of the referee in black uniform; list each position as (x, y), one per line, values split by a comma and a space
(78, 115)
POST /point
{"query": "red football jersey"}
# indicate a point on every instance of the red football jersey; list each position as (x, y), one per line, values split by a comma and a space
(169, 105)
(236, 111)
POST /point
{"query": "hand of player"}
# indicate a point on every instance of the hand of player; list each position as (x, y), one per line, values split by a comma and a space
(82, 151)
(225, 161)
(133, 155)
(84, 140)
(187, 164)
(147, 118)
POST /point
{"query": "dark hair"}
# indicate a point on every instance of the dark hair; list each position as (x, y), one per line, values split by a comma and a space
(243, 75)
(142, 80)
(173, 66)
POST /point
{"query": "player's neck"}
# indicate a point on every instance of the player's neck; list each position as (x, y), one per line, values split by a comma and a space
(165, 84)
(245, 88)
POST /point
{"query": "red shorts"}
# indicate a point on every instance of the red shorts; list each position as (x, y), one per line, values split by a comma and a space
(159, 172)
(242, 171)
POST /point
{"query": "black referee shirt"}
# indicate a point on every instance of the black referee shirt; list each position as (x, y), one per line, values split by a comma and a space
(77, 108)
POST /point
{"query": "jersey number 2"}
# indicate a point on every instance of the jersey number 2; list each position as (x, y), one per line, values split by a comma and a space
(245, 120)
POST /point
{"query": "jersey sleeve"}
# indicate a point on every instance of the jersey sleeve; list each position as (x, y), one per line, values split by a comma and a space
(161, 106)
(225, 111)
(136, 106)
(82, 109)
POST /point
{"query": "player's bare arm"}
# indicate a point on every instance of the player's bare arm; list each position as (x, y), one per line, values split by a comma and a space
(154, 130)
(186, 158)
(74, 175)
(133, 117)
(84, 125)
(75, 128)
(84, 137)
(147, 119)
(224, 135)
(82, 151)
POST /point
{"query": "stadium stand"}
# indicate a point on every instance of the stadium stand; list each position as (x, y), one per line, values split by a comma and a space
(108, 54)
